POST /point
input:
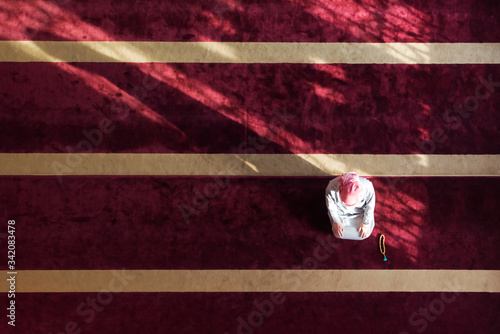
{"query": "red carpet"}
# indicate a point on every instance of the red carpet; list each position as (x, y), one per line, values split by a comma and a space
(390, 109)
(298, 313)
(139, 222)
(273, 223)
(444, 21)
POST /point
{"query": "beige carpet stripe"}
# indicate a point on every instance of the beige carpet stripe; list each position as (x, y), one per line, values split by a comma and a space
(234, 52)
(256, 280)
(60, 164)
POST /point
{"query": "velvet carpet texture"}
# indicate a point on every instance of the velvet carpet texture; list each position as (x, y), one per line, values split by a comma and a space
(246, 223)
(138, 222)
(239, 312)
(445, 21)
(357, 109)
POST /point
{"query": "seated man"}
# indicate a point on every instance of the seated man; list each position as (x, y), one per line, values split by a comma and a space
(350, 200)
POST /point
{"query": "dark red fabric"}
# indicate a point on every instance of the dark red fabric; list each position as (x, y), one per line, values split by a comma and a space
(377, 313)
(245, 223)
(251, 223)
(253, 20)
(218, 108)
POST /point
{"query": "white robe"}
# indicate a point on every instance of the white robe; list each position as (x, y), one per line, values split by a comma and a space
(351, 216)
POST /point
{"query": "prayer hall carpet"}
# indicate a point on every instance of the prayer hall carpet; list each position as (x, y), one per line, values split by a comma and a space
(165, 163)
